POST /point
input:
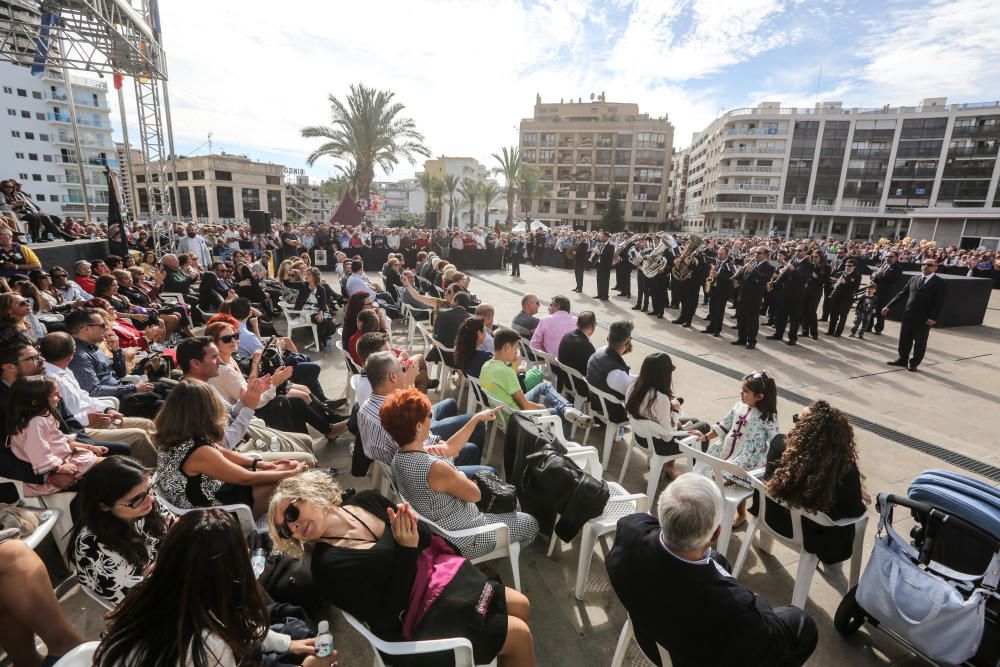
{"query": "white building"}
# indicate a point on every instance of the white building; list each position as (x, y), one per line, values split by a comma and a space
(36, 139)
(306, 200)
(855, 173)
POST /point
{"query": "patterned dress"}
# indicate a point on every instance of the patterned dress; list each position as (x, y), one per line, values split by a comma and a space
(179, 489)
(744, 436)
(410, 471)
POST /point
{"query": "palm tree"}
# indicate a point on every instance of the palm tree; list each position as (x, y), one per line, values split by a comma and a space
(367, 128)
(451, 184)
(510, 166)
(488, 193)
(438, 190)
(470, 190)
(426, 182)
(529, 188)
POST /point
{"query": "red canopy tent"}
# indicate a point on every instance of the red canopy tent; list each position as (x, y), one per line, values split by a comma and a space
(346, 213)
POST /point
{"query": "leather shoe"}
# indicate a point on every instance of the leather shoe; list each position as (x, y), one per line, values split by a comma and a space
(896, 362)
(772, 337)
(912, 368)
(636, 308)
(738, 342)
(677, 321)
(336, 404)
(751, 346)
(790, 342)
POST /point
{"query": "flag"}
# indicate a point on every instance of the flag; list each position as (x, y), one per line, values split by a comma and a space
(117, 235)
(43, 43)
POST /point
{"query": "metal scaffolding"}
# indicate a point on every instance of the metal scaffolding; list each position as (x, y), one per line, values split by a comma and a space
(117, 37)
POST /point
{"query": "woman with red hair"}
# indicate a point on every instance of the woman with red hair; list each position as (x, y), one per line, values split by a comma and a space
(434, 486)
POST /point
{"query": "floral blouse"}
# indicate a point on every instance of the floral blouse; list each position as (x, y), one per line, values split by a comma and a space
(744, 436)
(105, 572)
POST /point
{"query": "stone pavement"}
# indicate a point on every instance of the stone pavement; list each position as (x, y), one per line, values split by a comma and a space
(952, 403)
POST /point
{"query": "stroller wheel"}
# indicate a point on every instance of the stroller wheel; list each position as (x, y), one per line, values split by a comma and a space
(849, 617)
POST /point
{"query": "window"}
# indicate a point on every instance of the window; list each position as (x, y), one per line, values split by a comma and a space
(547, 156)
(251, 200)
(39, 116)
(624, 141)
(33, 156)
(274, 203)
(198, 176)
(272, 180)
(529, 155)
(21, 92)
(223, 176)
(29, 135)
(47, 158)
(15, 134)
(200, 200)
(19, 156)
(36, 95)
(649, 140)
(41, 197)
(224, 199)
(140, 178)
(530, 139)
(36, 177)
(25, 114)
(8, 90)
(50, 178)
(23, 177)
(11, 112)
(43, 137)
(183, 176)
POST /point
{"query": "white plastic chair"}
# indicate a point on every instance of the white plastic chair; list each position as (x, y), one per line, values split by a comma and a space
(644, 431)
(299, 319)
(243, 513)
(528, 353)
(807, 561)
(625, 638)
(176, 296)
(621, 503)
(732, 494)
(610, 427)
(577, 389)
(59, 523)
(503, 417)
(505, 548)
(81, 656)
(460, 646)
(352, 371)
(547, 362)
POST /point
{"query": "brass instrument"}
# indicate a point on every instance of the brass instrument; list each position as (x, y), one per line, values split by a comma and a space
(621, 250)
(595, 254)
(656, 261)
(634, 256)
(879, 272)
(747, 268)
(682, 270)
(713, 274)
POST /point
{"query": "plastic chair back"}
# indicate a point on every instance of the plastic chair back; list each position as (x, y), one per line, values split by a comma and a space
(81, 656)
(460, 646)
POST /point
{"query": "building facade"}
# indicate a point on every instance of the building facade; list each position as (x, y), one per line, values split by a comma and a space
(305, 199)
(220, 188)
(677, 197)
(583, 149)
(37, 144)
(846, 173)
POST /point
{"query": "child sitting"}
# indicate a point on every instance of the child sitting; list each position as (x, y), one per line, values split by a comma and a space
(37, 439)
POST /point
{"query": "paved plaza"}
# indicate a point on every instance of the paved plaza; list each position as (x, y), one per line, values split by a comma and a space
(950, 404)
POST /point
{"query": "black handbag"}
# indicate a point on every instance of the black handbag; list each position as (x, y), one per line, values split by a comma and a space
(496, 496)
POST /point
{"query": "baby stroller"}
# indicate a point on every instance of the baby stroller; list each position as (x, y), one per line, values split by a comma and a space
(935, 593)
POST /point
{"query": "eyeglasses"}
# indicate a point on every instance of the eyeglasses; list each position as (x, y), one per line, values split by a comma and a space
(139, 499)
(291, 516)
(229, 338)
(103, 325)
(33, 358)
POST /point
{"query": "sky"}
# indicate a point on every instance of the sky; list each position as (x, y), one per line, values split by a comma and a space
(254, 73)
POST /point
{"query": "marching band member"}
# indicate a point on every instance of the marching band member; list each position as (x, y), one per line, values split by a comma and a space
(841, 297)
(754, 276)
(719, 291)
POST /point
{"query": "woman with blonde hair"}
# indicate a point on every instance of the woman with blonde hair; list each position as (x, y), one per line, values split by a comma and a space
(193, 470)
(370, 557)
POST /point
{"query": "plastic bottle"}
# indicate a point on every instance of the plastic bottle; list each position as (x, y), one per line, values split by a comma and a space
(93, 236)
(275, 445)
(258, 561)
(27, 239)
(259, 444)
(324, 641)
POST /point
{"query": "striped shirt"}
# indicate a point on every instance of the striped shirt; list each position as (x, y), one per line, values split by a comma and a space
(377, 443)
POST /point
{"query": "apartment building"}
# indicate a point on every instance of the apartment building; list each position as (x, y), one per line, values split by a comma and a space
(925, 171)
(677, 197)
(306, 200)
(223, 187)
(583, 149)
(37, 144)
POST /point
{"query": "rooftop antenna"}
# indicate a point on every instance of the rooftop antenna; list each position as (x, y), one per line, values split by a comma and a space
(819, 81)
(210, 143)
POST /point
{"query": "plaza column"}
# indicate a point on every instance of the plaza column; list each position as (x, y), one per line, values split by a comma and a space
(812, 223)
(850, 229)
(770, 224)
(743, 222)
(788, 227)
(899, 226)
(213, 202)
(829, 227)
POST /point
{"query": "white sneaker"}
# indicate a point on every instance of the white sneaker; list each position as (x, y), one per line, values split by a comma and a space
(575, 416)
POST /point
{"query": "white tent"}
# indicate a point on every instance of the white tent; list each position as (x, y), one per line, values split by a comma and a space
(535, 225)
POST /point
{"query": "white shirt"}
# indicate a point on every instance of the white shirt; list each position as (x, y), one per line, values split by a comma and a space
(78, 402)
(357, 283)
(364, 391)
(196, 245)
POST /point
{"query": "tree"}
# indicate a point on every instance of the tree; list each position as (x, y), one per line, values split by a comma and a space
(451, 184)
(510, 167)
(426, 182)
(470, 188)
(345, 181)
(529, 188)
(613, 219)
(438, 190)
(369, 130)
(489, 192)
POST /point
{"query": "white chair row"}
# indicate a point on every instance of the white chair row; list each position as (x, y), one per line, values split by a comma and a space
(299, 319)
(243, 513)
(460, 646)
(59, 523)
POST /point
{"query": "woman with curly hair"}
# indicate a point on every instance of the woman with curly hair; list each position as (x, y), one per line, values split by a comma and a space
(815, 468)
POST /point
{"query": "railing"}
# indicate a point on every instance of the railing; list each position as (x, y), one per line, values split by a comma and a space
(64, 118)
(743, 169)
(745, 149)
(75, 80)
(972, 151)
(74, 199)
(765, 131)
(793, 111)
(975, 130)
(749, 186)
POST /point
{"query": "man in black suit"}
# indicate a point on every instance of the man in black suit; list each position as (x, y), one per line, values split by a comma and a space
(885, 278)
(837, 267)
(753, 277)
(604, 266)
(575, 349)
(924, 296)
(450, 319)
(845, 286)
(793, 294)
(516, 255)
(580, 261)
(722, 289)
(679, 592)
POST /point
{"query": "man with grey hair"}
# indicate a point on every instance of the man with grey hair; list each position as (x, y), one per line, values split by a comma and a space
(680, 595)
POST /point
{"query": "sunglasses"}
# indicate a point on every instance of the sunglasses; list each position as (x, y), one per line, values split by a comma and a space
(230, 338)
(291, 515)
(103, 325)
(139, 499)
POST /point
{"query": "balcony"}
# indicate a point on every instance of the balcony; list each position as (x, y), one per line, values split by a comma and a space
(56, 75)
(973, 151)
(78, 199)
(74, 179)
(66, 139)
(869, 153)
(743, 169)
(66, 118)
(976, 131)
(757, 131)
(744, 187)
(913, 172)
(867, 174)
(744, 150)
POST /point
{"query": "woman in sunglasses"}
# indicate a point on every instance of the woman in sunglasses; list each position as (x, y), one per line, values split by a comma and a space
(119, 528)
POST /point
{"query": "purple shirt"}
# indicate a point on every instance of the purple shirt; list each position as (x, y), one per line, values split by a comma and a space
(550, 331)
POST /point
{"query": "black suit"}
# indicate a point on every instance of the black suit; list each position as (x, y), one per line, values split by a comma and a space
(604, 270)
(575, 350)
(700, 615)
(793, 293)
(923, 302)
(516, 255)
(751, 293)
(580, 263)
(884, 282)
(841, 298)
(718, 296)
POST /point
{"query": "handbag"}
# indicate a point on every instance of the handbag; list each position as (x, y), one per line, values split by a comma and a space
(920, 606)
(496, 496)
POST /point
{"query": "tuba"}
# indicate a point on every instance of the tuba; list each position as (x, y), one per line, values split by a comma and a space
(656, 261)
(595, 254)
(682, 270)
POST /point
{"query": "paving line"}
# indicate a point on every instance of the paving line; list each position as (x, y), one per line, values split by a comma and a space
(948, 456)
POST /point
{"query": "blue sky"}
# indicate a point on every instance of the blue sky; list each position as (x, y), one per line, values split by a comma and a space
(254, 73)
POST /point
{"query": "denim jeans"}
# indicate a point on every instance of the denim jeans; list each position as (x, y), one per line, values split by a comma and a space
(446, 422)
(546, 394)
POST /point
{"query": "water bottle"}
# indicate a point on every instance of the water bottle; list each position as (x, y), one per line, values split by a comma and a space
(260, 445)
(27, 239)
(93, 236)
(258, 561)
(324, 640)
(275, 445)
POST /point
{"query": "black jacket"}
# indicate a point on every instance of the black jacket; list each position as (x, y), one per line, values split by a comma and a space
(575, 350)
(701, 616)
(303, 294)
(923, 302)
